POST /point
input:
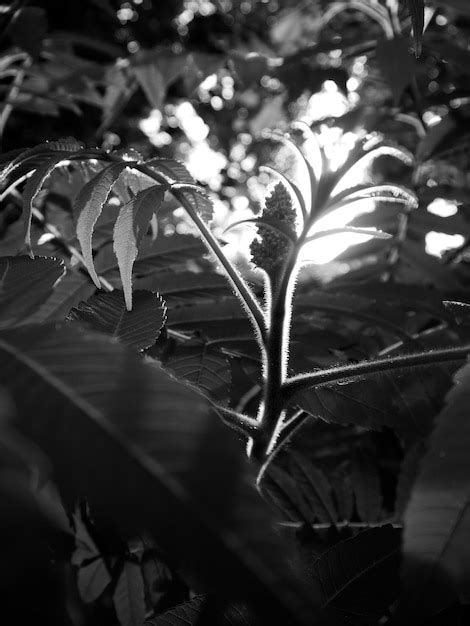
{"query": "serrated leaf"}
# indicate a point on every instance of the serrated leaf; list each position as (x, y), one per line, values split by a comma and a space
(92, 580)
(204, 367)
(131, 226)
(405, 401)
(437, 519)
(198, 200)
(172, 168)
(88, 206)
(40, 152)
(129, 596)
(148, 440)
(315, 487)
(279, 488)
(25, 284)
(106, 313)
(32, 189)
(204, 610)
(416, 9)
(360, 575)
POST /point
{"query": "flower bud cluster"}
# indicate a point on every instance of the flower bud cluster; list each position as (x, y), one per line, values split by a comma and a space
(271, 249)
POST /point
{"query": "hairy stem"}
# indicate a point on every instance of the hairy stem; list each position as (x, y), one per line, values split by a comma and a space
(271, 411)
(302, 382)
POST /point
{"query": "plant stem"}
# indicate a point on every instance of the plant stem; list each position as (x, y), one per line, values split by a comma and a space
(302, 382)
(271, 411)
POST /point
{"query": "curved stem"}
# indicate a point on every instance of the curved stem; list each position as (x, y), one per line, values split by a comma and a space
(302, 382)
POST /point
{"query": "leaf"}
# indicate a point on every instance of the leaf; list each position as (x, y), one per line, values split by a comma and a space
(36, 155)
(165, 253)
(360, 575)
(32, 189)
(204, 611)
(371, 232)
(131, 226)
(186, 287)
(276, 225)
(88, 206)
(155, 71)
(366, 484)
(67, 293)
(24, 285)
(405, 401)
(106, 313)
(176, 170)
(378, 193)
(92, 580)
(129, 596)
(416, 9)
(202, 366)
(315, 487)
(118, 430)
(196, 198)
(437, 519)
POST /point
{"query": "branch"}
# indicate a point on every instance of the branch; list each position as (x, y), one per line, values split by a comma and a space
(243, 424)
(301, 382)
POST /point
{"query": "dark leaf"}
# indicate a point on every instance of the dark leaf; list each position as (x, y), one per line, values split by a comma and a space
(129, 596)
(106, 313)
(165, 253)
(92, 580)
(204, 611)
(153, 443)
(437, 519)
(25, 284)
(202, 366)
(360, 575)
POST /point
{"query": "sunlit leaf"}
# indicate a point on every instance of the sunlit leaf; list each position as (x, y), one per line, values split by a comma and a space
(131, 226)
(88, 206)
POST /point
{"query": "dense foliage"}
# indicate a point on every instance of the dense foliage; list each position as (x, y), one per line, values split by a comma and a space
(234, 329)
